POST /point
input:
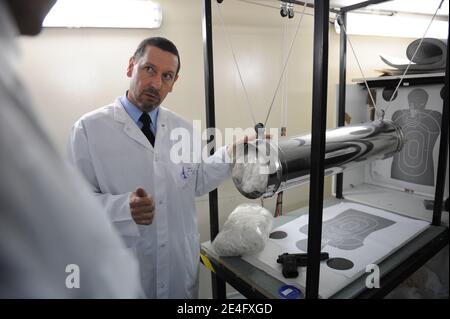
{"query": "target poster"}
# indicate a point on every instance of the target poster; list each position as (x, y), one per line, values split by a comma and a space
(353, 235)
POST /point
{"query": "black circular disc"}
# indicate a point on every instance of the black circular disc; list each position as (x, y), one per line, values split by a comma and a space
(339, 263)
(278, 235)
(387, 94)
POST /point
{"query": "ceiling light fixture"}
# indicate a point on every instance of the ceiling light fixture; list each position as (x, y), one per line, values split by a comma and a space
(396, 25)
(142, 14)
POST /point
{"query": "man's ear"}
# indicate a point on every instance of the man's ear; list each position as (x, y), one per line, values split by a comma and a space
(176, 78)
(130, 67)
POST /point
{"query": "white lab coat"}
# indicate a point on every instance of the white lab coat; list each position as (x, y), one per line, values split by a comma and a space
(113, 154)
(50, 224)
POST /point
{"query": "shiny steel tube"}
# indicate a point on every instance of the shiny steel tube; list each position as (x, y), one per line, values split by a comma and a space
(263, 169)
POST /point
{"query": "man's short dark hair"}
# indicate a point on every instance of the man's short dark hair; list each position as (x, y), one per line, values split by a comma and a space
(159, 42)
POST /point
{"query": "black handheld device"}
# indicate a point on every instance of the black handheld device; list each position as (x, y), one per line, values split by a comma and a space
(290, 263)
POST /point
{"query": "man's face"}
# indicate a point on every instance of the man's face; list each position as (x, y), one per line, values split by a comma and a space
(152, 78)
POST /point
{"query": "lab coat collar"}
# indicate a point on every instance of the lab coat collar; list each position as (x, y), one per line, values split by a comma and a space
(133, 131)
(135, 113)
(130, 128)
(162, 124)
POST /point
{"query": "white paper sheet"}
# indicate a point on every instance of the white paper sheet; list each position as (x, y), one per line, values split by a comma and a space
(361, 234)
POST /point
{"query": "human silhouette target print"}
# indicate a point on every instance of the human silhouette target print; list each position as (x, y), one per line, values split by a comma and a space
(421, 128)
(347, 230)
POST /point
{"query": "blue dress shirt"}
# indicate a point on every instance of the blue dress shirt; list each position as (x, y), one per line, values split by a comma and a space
(135, 113)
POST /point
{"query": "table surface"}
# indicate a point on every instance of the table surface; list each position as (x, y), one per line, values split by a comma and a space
(260, 284)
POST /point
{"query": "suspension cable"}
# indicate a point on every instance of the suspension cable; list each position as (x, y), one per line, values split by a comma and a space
(413, 56)
(286, 62)
(236, 63)
(383, 112)
(357, 61)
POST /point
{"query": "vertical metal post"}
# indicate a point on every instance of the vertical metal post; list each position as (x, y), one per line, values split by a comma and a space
(218, 285)
(443, 150)
(342, 83)
(319, 117)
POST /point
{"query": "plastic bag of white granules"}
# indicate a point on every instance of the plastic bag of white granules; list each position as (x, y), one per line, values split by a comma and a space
(245, 232)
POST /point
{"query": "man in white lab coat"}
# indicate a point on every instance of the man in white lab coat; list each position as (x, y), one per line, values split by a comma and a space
(125, 151)
(55, 239)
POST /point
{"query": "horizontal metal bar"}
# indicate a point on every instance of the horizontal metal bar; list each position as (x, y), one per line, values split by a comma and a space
(361, 5)
(233, 279)
(309, 5)
(406, 82)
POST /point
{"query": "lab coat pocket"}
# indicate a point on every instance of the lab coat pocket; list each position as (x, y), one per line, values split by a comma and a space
(185, 174)
(192, 256)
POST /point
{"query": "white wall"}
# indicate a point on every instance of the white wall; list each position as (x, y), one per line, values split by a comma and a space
(73, 71)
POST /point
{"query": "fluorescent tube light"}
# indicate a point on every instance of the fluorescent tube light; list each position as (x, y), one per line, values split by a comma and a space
(143, 14)
(397, 25)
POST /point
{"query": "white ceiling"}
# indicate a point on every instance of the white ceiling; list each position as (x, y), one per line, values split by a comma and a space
(406, 6)
(266, 12)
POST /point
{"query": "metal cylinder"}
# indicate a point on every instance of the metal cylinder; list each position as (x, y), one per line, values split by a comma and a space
(262, 168)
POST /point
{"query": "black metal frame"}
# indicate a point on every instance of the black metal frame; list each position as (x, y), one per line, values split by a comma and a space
(341, 103)
(219, 288)
(408, 267)
(320, 76)
(318, 128)
(406, 82)
(236, 281)
(442, 160)
(443, 146)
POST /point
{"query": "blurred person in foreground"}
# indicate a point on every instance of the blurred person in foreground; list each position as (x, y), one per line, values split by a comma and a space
(55, 239)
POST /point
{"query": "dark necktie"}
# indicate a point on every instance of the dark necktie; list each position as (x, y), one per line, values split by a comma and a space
(146, 121)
